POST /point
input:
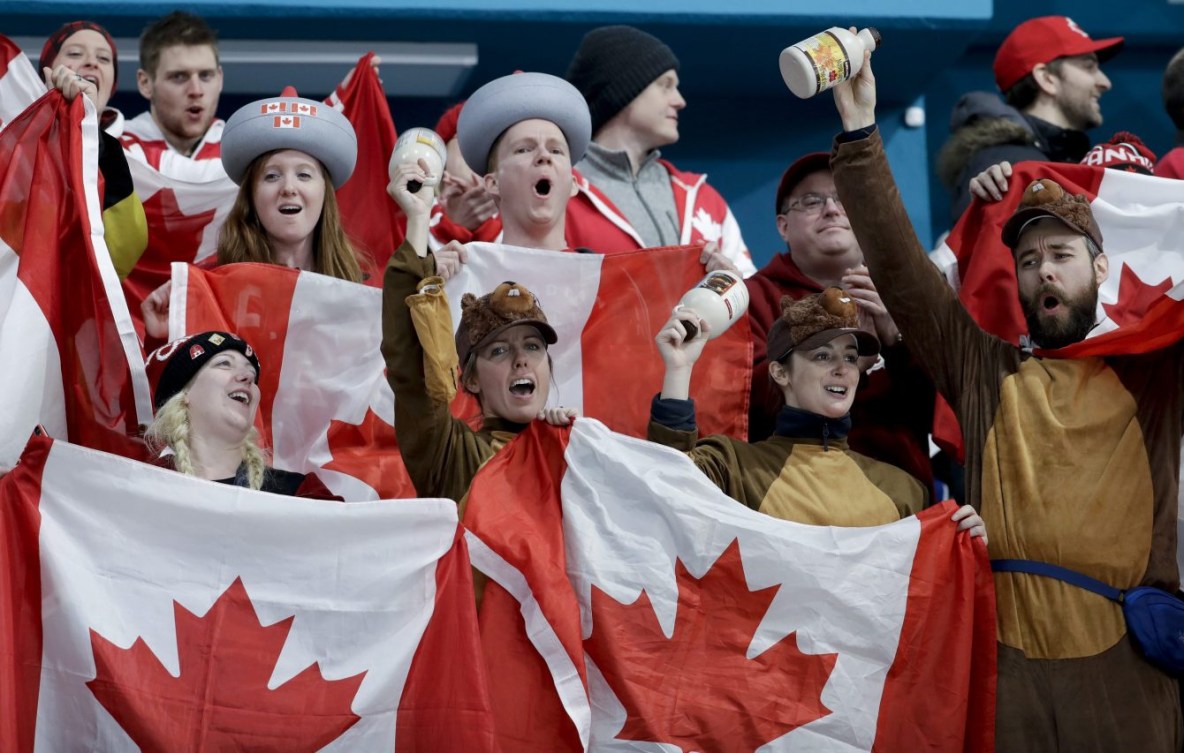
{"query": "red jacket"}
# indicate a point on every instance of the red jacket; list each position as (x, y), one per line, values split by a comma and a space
(594, 222)
(893, 410)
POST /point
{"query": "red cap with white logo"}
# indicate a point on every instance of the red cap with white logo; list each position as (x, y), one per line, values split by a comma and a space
(1042, 40)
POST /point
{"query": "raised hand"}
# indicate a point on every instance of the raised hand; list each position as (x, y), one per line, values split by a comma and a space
(855, 98)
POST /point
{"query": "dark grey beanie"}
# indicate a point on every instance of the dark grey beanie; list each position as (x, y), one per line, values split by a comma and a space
(613, 65)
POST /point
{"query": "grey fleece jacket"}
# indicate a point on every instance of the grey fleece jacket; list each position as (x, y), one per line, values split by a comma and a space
(646, 200)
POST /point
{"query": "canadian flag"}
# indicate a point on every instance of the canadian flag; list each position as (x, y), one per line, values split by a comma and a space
(670, 617)
(326, 404)
(227, 619)
(1141, 303)
(71, 359)
(270, 107)
(286, 121)
(606, 310)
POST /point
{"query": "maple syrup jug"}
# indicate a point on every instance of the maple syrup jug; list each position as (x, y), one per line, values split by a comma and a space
(816, 64)
(415, 144)
(719, 299)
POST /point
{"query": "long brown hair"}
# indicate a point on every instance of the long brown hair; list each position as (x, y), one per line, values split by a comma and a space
(242, 237)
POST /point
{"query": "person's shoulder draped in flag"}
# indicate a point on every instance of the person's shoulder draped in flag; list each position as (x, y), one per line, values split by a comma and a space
(1073, 461)
(805, 472)
(521, 131)
(288, 156)
(81, 57)
(206, 394)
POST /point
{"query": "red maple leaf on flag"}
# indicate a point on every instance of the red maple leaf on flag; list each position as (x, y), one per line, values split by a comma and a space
(221, 700)
(1135, 297)
(172, 236)
(179, 234)
(367, 451)
(698, 689)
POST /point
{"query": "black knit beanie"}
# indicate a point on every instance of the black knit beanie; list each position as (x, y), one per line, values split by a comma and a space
(613, 65)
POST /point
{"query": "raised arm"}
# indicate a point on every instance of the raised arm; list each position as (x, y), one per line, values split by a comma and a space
(935, 326)
(440, 452)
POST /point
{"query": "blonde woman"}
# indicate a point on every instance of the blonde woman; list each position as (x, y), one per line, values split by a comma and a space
(206, 395)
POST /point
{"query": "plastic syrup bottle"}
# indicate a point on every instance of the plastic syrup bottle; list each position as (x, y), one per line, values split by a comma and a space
(415, 144)
(719, 299)
(818, 63)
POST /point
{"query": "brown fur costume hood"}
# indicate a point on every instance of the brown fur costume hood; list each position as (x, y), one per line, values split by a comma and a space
(815, 320)
(1046, 198)
(482, 318)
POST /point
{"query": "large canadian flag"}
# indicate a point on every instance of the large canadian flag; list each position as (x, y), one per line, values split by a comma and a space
(664, 615)
(69, 355)
(326, 402)
(141, 609)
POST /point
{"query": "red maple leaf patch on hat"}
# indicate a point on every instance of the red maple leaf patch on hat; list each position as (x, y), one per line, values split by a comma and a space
(221, 700)
(698, 689)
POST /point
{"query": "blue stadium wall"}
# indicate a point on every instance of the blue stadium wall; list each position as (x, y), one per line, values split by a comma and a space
(742, 126)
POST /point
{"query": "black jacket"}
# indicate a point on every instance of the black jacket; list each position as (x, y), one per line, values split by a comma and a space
(985, 131)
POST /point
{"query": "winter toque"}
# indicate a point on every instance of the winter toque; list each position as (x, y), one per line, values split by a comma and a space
(613, 65)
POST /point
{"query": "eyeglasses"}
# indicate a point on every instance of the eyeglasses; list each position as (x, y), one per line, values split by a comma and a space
(813, 203)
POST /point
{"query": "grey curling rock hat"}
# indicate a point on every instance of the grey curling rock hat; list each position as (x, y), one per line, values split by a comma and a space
(289, 122)
(511, 99)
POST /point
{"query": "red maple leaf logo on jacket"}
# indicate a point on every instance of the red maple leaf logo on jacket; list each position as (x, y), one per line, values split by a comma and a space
(221, 700)
(698, 689)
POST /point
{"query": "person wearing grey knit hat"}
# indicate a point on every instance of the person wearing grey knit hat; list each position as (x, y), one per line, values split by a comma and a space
(524, 132)
(289, 155)
(630, 81)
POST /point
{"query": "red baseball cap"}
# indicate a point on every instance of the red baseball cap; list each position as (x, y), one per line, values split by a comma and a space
(1042, 40)
(802, 166)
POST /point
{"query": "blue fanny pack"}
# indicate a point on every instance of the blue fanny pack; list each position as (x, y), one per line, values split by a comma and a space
(1154, 617)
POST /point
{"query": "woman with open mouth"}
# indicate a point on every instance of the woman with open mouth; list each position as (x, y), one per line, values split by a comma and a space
(288, 155)
(206, 394)
(805, 472)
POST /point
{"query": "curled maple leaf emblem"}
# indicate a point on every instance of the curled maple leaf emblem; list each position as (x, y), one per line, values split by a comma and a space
(221, 700)
(698, 689)
(1135, 297)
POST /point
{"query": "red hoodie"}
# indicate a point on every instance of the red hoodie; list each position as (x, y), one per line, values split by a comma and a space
(893, 410)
